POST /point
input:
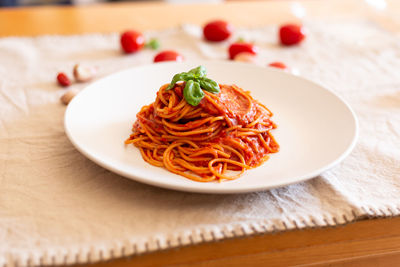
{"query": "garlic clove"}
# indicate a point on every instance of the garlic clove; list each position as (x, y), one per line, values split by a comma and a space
(83, 73)
(68, 96)
(245, 57)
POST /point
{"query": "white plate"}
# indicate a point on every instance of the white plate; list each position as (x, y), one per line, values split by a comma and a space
(316, 128)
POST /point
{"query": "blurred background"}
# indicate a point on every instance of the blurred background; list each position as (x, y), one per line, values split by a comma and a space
(16, 3)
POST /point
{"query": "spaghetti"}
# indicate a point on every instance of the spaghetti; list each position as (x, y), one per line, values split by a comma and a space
(228, 131)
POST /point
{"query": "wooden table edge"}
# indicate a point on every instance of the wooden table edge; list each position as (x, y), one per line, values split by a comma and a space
(368, 239)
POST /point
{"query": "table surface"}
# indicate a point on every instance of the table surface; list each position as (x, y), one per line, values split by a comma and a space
(370, 242)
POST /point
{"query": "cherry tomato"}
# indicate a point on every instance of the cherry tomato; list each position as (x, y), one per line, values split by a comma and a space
(278, 65)
(237, 48)
(217, 31)
(291, 34)
(63, 79)
(132, 41)
(168, 55)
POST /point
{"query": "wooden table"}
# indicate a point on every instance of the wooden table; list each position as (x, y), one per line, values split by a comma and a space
(365, 243)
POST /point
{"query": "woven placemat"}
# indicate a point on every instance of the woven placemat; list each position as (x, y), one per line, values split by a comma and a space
(57, 207)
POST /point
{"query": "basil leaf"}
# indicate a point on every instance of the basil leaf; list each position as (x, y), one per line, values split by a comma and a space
(177, 77)
(183, 76)
(209, 85)
(199, 72)
(188, 76)
(193, 93)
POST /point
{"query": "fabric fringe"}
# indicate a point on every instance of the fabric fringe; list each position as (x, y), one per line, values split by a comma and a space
(129, 248)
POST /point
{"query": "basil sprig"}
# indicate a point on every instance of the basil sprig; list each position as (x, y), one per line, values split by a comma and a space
(195, 81)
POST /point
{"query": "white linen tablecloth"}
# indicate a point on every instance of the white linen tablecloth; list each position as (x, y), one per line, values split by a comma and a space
(57, 207)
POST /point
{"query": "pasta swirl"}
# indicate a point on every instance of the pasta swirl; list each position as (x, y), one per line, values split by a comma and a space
(226, 134)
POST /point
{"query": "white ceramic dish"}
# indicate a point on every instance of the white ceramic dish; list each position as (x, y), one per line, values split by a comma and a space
(316, 128)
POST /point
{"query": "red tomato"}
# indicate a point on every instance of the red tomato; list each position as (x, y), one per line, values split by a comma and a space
(168, 55)
(217, 30)
(63, 79)
(132, 41)
(291, 34)
(278, 65)
(237, 48)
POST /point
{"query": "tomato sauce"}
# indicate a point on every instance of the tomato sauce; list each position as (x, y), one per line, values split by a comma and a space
(240, 110)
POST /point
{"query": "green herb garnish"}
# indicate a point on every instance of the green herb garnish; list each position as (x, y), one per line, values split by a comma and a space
(196, 80)
(193, 93)
(153, 44)
(199, 72)
(209, 85)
